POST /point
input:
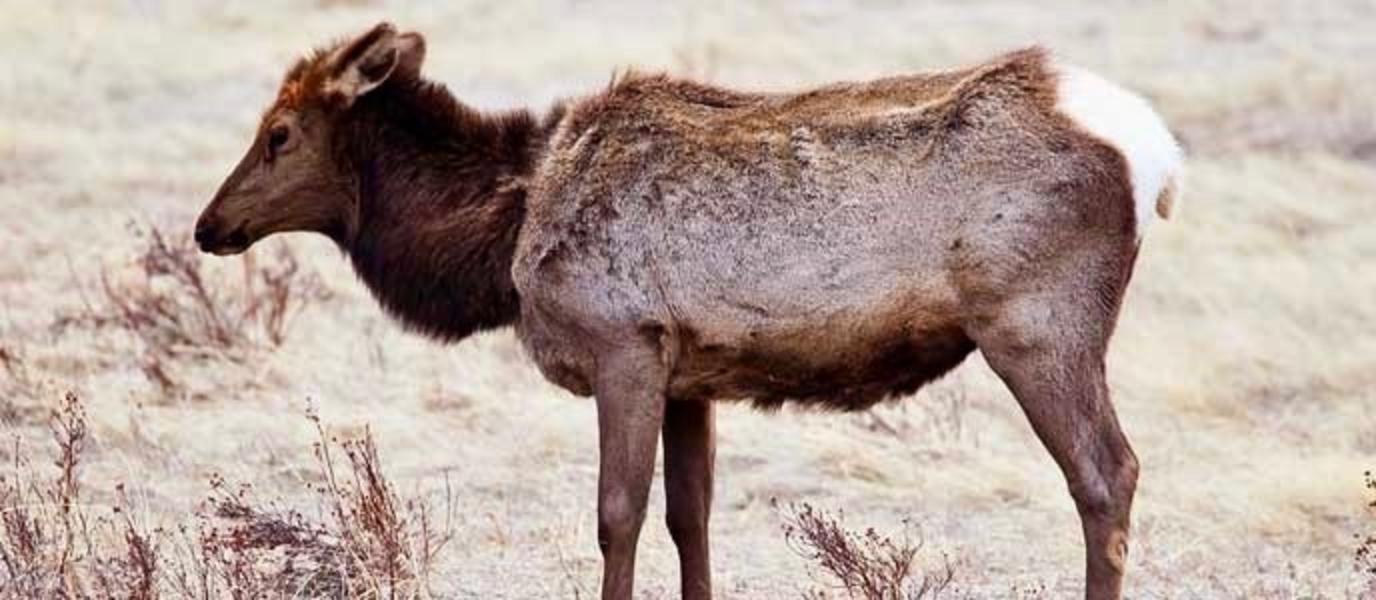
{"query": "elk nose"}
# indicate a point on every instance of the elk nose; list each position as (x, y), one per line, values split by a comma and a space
(205, 235)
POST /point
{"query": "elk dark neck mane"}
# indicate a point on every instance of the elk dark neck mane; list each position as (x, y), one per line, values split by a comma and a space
(441, 199)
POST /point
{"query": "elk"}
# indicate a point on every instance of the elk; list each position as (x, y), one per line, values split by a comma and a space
(662, 244)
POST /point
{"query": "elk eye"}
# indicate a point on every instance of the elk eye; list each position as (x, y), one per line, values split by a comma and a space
(277, 137)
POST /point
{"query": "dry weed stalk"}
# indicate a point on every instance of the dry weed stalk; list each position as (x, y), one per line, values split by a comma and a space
(127, 570)
(15, 381)
(391, 544)
(1365, 556)
(242, 550)
(867, 566)
(51, 545)
(172, 309)
(370, 544)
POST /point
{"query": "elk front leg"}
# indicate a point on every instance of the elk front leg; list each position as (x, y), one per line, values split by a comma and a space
(630, 412)
(689, 450)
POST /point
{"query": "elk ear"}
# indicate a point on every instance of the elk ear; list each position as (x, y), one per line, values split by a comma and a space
(365, 63)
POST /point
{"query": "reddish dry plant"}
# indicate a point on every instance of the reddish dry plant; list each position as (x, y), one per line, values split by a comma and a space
(391, 543)
(1365, 557)
(130, 569)
(171, 308)
(370, 543)
(867, 566)
(52, 546)
(242, 550)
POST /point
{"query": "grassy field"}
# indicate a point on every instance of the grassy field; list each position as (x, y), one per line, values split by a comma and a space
(1243, 368)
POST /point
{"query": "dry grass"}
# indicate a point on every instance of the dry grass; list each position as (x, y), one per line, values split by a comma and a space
(54, 544)
(865, 566)
(391, 544)
(16, 381)
(370, 544)
(167, 303)
(171, 307)
(1242, 369)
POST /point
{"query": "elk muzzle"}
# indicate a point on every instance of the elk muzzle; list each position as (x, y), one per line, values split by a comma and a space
(215, 237)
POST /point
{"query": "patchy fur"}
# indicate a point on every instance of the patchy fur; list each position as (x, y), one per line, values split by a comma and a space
(828, 247)
(665, 243)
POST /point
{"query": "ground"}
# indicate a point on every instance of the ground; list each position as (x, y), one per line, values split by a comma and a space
(1243, 367)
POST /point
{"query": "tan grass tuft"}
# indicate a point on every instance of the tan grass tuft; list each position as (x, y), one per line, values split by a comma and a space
(370, 543)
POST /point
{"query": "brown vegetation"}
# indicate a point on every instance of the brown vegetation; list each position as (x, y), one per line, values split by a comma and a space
(1244, 358)
(15, 382)
(1365, 558)
(55, 544)
(173, 310)
(369, 542)
(169, 307)
(865, 566)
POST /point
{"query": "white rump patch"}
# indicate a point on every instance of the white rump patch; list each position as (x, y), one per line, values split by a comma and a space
(1127, 122)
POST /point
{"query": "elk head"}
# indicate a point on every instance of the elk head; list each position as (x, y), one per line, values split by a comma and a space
(292, 178)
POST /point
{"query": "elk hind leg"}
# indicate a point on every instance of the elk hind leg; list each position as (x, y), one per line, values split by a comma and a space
(1056, 372)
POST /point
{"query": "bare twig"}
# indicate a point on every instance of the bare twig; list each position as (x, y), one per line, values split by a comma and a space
(52, 545)
(372, 544)
(174, 310)
(867, 565)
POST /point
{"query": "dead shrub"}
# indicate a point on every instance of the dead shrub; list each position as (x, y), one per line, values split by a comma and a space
(867, 565)
(53, 545)
(169, 306)
(368, 543)
(243, 548)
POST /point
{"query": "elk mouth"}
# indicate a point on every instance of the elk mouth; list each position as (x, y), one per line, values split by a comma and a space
(236, 242)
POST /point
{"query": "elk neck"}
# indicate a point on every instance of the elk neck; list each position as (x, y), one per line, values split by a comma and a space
(441, 191)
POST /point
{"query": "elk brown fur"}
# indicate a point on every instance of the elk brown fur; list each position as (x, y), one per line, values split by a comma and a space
(662, 244)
